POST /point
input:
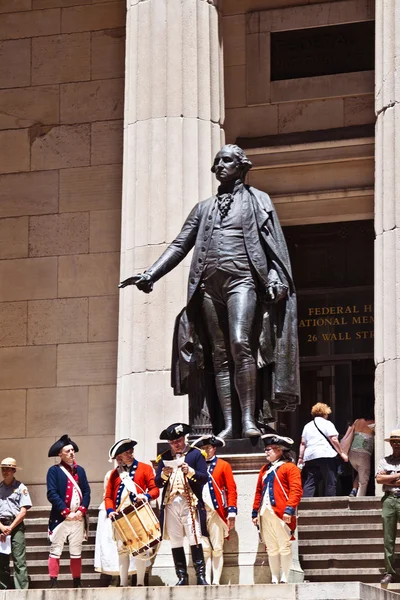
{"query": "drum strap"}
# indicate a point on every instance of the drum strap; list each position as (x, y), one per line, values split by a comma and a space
(127, 483)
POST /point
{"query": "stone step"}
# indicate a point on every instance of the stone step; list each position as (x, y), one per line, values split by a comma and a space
(37, 549)
(329, 503)
(366, 575)
(365, 560)
(350, 545)
(39, 567)
(323, 517)
(306, 591)
(338, 530)
(91, 579)
(41, 524)
(40, 536)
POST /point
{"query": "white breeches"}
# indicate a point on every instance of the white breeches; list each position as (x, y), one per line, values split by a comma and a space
(178, 523)
(275, 534)
(74, 532)
(124, 568)
(214, 544)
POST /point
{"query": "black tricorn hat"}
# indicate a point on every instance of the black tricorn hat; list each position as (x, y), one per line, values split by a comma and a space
(211, 440)
(64, 440)
(277, 440)
(175, 431)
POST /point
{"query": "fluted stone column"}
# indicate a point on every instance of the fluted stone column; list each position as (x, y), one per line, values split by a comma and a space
(173, 115)
(387, 221)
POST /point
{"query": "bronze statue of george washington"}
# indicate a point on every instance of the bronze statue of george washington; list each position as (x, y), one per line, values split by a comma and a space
(235, 348)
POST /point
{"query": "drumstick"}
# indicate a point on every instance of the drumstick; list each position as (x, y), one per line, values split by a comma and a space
(189, 501)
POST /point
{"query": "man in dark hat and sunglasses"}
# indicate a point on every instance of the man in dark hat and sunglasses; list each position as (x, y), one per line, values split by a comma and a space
(388, 475)
(181, 474)
(68, 492)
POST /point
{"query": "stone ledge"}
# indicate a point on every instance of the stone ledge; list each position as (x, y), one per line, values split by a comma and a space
(306, 591)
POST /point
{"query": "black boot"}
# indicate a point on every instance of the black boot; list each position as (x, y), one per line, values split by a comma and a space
(77, 583)
(53, 582)
(180, 566)
(199, 564)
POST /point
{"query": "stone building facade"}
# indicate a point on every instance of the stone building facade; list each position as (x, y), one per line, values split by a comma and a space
(173, 79)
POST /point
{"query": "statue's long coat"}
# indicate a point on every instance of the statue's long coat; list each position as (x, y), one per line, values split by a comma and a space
(275, 331)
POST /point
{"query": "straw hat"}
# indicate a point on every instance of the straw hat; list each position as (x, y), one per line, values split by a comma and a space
(394, 436)
(10, 462)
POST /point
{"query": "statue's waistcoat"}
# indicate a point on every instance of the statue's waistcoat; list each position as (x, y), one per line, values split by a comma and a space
(251, 216)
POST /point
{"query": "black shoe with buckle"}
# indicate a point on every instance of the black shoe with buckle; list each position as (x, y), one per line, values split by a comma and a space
(53, 582)
(77, 583)
(386, 579)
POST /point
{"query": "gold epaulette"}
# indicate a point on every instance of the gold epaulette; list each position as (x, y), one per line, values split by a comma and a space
(159, 457)
(201, 451)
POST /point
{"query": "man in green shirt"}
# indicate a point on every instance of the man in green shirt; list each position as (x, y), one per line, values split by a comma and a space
(14, 504)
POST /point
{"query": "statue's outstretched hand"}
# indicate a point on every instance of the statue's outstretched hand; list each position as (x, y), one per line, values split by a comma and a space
(142, 281)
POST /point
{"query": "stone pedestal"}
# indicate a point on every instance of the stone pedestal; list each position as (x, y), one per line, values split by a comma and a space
(387, 221)
(173, 115)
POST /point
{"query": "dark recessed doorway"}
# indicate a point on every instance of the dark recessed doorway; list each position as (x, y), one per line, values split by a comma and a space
(333, 269)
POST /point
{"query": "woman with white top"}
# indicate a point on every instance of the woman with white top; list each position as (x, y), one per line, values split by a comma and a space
(318, 450)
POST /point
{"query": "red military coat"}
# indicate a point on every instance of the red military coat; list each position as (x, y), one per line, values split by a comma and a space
(143, 477)
(222, 487)
(290, 477)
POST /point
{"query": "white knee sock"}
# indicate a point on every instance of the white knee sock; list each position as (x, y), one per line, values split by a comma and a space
(208, 561)
(123, 569)
(218, 563)
(286, 563)
(275, 566)
(140, 571)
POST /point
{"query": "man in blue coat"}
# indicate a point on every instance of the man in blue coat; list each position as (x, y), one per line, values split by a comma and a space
(68, 492)
(182, 473)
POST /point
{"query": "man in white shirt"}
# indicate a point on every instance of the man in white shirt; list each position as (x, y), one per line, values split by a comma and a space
(318, 450)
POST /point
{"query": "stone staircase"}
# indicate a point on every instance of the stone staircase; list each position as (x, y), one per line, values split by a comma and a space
(341, 539)
(37, 546)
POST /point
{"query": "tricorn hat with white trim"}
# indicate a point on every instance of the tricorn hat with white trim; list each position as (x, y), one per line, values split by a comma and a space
(278, 440)
(209, 440)
(175, 431)
(120, 447)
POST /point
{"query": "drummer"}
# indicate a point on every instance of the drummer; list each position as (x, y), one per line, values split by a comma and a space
(182, 509)
(131, 482)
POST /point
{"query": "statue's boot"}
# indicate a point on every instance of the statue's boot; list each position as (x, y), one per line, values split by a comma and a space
(226, 406)
(249, 427)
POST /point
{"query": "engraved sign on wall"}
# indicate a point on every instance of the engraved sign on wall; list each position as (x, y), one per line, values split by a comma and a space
(336, 323)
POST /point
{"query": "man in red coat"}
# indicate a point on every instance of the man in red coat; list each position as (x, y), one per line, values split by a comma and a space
(220, 500)
(277, 496)
(130, 482)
